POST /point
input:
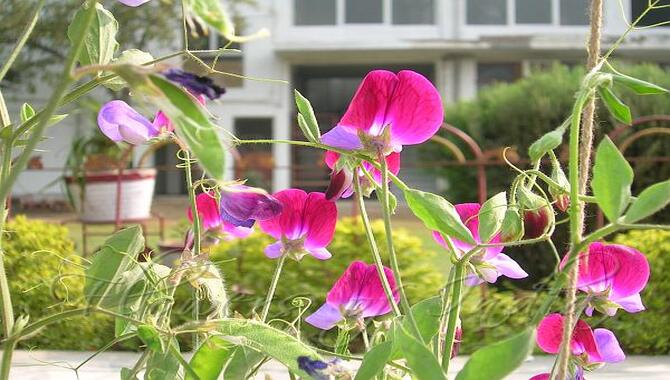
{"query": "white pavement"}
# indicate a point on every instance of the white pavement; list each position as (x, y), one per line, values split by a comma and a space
(57, 365)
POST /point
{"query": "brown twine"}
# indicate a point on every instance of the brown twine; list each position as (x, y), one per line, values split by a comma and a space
(586, 147)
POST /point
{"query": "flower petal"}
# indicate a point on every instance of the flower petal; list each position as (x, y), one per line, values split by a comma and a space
(348, 285)
(368, 108)
(583, 341)
(359, 289)
(235, 232)
(325, 318)
(372, 297)
(320, 253)
(632, 304)
(416, 112)
(208, 210)
(243, 202)
(133, 3)
(274, 250)
(319, 218)
(549, 333)
(343, 138)
(542, 376)
(288, 223)
(608, 345)
(117, 114)
(393, 163)
(507, 267)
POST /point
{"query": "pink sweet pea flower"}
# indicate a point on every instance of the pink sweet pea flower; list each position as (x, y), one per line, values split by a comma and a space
(490, 263)
(590, 346)
(210, 218)
(133, 3)
(305, 225)
(614, 275)
(356, 295)
(120, 122)
(578, 375)
(163, 123)
(388, 111)
(341, 180)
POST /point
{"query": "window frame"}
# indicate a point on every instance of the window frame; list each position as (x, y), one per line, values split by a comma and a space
(555, 22)
(387, 16)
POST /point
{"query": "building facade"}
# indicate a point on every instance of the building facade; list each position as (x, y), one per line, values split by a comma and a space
(324, 47)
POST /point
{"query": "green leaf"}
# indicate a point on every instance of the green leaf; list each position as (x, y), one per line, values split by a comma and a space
(639, 86)
(193, 126)
(100, 37)
(437, 214)
(651, 200)
(612, 178)
(311, 125)
(132, 57)
(304, 128)
(421, 360)
(116, 256)
(617, 108)
(162, 365)
(242, 361)
(126, 374)
(211, 12)
(544, 144)
(209, 359)
(374, 361)
(275, 343)
(149, 336)
(498, 360)
(27, 112)
(491, 216)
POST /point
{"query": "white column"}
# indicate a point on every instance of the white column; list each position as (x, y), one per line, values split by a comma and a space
(281, 130)
(467, 77)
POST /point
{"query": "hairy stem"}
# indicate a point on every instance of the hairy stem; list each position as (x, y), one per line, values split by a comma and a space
(376, 256)
(195, 226)
(454, 311)
(273, 288)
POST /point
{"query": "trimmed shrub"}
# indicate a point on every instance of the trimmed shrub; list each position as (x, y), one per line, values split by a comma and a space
(647, 332)
(46, 277)
(248, 272)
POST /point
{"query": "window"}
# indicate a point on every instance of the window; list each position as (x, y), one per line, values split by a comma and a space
(487, 12)
(491, 73)
(533, 11)
(654, 16)
(364, 11)
(314, 12)
(574, 12)
(256, 161)
(408, 12)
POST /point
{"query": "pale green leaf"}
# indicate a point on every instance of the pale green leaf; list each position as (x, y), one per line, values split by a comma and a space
(131, 57)
(374, 361)
(437, 214)
(210, 358)
(420, 359)
(612, 178)
(27, 112)
(639, 86)
(491, 216)
(651, 200)
(311, 125)
(100, 37)
(617, 108)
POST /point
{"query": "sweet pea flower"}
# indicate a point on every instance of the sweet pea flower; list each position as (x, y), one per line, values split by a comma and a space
(577, 375)
(133, 3)
(588, 346)
(388, 111)
(210, 218)
(341, 179)
(120, 122)
(162, 122)
(613, 275)
(305, 225)
(195, 84)
(490, 263)
(356, 295)
(243, 205)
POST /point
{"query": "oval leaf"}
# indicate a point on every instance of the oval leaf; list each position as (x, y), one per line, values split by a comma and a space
(639, 86)
(612, 178)
(651, 200)
(311, 124)
(209, 359)
(498, 360)
(100, 37)
(617, 108)
(374, 361)
(437, 214)
(421, 360)
(491, 216)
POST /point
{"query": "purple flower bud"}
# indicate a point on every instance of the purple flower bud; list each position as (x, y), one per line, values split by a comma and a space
(120, 122)
(195, 84)
(242, 205)
(340, 182)
(313, 368)
(537, 222)
(458, 338)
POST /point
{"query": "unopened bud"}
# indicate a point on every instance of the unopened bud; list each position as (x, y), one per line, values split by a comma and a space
(340, 181)
(538, 217)
(512, 226)
(560, 195)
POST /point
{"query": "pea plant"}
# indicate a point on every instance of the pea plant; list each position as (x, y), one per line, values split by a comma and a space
(388, 111)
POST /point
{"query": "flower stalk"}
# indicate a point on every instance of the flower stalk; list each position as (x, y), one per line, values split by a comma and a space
(273, 287)
(454, 311)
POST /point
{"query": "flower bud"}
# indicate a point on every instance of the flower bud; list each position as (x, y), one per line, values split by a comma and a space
(458, 338)
(340, 181)
(538, 217)
(512, 226)
(560, 195)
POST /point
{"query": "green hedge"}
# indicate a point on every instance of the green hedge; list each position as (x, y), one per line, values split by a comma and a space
(249, 275)
(46, 276)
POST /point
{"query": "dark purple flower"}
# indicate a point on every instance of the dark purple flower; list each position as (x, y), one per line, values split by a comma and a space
(243, 205)
(195, 84)
(312, 367)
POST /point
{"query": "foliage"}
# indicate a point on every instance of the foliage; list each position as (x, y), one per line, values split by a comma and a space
(248, 271)
(647, 332)
(48, 277)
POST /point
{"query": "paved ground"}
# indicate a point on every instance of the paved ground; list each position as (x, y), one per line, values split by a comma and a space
(57, 365)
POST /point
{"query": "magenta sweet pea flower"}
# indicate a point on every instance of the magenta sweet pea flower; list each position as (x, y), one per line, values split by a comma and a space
(243, 205)
(613, 275)
(341, 179)
(210, 218)
(356, 295)
(589, 346)
(490, 263)
(133, 3)
(388, 111)
(120, 122)
(577, 375)
(305, 225)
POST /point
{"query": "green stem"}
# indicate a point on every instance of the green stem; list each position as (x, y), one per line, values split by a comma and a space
(273, 287)
(455, 310)
(373, 246)
(342, 342)
(22, 40)
(446, 306)
(196, 234)
(6, 304)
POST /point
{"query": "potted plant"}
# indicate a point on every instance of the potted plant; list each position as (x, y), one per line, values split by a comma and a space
(101, 184)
